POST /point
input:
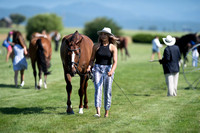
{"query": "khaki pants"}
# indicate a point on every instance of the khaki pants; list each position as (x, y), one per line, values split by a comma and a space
(172, 83)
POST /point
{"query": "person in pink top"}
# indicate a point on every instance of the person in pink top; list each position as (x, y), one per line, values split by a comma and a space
(8, 44)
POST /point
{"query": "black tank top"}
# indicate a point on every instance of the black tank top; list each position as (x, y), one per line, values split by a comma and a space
(104, 55)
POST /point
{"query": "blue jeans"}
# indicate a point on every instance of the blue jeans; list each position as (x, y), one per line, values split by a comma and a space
(102, 80)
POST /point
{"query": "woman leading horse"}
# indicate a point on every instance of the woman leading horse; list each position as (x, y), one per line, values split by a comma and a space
(75, 52)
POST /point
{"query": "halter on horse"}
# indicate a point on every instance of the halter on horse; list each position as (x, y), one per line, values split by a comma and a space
(75, 52)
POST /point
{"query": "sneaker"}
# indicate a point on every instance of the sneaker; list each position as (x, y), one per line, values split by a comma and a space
(22, 84)
(97, 115)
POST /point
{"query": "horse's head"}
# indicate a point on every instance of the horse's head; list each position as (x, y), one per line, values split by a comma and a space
(193, 37)
(74, 52)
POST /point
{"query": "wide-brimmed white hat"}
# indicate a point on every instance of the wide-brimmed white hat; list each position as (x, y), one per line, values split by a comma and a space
(169, 40)
(105, 30)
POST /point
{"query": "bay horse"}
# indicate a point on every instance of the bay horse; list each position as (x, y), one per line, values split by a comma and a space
(75, 52)
(40, 52)
(123, 44)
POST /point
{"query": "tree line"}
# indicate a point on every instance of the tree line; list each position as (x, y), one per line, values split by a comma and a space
(52, 22)
(15, 19)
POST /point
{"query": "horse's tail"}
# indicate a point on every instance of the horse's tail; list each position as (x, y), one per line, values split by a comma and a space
(41, 57)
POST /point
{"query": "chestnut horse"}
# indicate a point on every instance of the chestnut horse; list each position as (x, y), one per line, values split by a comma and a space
(75, 52)
(40, 51)
(123, 44)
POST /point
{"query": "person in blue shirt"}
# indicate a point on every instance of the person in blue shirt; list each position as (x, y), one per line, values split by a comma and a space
(19, 60)
(170, 63)
(155, 48)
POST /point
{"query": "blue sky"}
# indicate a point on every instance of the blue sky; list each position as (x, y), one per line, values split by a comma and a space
(172, 12)
(145, 4)
(192, 4)
(159, 8)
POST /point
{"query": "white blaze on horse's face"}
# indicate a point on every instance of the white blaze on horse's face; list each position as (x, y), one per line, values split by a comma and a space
(73, 58)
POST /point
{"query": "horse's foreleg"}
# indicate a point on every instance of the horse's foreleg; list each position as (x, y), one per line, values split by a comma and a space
(126, 52)
(85, 93)
(34, 73)
(82, 92)
(185, 58)
(45, 81)
(69, 91)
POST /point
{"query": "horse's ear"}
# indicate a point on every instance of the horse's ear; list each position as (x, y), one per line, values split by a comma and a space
(76, 37)
(79, 40)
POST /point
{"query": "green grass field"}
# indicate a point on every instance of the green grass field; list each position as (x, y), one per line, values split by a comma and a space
(28, 110)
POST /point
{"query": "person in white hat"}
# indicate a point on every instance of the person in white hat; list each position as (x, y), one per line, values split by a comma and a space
(170, 62)
(105, 57)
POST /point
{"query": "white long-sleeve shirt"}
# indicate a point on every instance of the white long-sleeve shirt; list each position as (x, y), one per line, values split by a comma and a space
(157, 42)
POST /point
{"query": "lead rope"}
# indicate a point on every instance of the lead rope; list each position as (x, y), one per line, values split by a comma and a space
(122, 91)
(91, 77)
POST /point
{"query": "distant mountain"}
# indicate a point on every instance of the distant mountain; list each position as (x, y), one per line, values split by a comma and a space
(27, 11)
(78, 13)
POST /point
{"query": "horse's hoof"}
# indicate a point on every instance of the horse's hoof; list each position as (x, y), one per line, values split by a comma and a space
(70, 112)
(38, 87)
(86, 107)
(80, 110)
